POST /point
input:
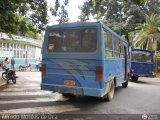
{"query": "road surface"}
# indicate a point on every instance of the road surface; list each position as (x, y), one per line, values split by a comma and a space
(142, 97)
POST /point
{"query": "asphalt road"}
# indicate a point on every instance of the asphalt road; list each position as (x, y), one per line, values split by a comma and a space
(142, 97)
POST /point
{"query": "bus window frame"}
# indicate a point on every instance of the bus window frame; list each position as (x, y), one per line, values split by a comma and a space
(105, 41)
(122, 50)
(116, 42)
(70, 28)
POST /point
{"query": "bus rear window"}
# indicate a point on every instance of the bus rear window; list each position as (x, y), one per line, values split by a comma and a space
(72, 40)
(141, 56)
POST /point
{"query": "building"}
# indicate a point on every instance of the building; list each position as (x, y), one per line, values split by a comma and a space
(24, 50)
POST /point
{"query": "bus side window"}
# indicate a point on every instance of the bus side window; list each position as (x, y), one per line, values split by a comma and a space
(108, 44)
(116, 47)
(122, 51)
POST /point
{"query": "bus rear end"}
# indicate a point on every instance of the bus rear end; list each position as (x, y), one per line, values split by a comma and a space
(70, 60)
(142, 64)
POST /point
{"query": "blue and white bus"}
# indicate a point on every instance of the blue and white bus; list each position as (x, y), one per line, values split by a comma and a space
(84, 58)
(142, 64)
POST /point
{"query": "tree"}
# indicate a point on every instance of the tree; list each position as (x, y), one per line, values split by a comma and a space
(8, 18)
(61, 13)
(152, 7)
(54, 9)
(149, 32)
(39, 15)
(138, 1)
(11, 12)
(85, 11)
(119, 15)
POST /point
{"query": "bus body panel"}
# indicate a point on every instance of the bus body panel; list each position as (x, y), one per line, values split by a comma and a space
(141, 68)
(81, 72)
(113, 68)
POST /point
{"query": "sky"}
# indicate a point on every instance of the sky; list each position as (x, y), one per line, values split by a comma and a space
(73, 10)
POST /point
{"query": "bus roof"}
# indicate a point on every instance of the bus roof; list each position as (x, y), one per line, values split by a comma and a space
(74, 24)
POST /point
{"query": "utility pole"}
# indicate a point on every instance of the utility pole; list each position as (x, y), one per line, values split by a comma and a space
(26, 57)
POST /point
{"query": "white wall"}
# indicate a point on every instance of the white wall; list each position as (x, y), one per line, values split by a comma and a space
(38, 53)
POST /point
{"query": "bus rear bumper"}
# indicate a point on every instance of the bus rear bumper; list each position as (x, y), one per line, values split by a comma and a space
(143, 75)
(73, 90)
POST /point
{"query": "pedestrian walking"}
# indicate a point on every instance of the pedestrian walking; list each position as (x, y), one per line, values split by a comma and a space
(12, 63)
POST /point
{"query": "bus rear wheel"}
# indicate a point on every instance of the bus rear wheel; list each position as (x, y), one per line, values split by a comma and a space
(69, 95)
(125, 84)
(110, 94)
(134, 78)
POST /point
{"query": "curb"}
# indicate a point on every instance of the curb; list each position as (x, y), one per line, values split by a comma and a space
(3, 84)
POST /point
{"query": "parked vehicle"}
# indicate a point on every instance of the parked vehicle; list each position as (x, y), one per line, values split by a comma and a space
(84, 58)
(142, 64)
(24, 67)
(9, 75)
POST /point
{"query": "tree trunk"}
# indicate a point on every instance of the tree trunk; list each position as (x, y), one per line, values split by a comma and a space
(146, 44)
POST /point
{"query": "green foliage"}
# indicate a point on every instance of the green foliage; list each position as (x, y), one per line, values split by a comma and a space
(123, 16)
(63, 15)
(59, 11)
(55, 8)
(85, 11)
(149, 33)
(23, 17)
(119, 15)
(158, 53)
(14, 41)
(39, 15)
(138, 1)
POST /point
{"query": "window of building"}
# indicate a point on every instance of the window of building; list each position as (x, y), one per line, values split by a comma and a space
(14, 55)
(17, 54)
(7, 45)
(14, 46)
(21, 54)
(11, 46)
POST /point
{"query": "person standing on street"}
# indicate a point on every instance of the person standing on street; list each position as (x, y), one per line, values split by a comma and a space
(12, 63)
(5, 62)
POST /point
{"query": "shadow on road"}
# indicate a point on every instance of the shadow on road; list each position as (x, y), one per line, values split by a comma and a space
(141, 82)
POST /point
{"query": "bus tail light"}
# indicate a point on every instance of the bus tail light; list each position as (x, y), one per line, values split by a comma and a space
(132, 70)
(99, 73)
(131, 75)
(43, 70)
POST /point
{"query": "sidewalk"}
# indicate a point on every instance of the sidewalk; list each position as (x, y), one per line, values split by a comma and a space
(2, 82)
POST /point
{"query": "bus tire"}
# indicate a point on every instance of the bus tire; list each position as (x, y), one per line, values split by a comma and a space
(110, 94)
(69, 95)
(134, 78)
(125, 84)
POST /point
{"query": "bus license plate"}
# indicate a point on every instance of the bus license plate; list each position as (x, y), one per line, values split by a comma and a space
(69, 82)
